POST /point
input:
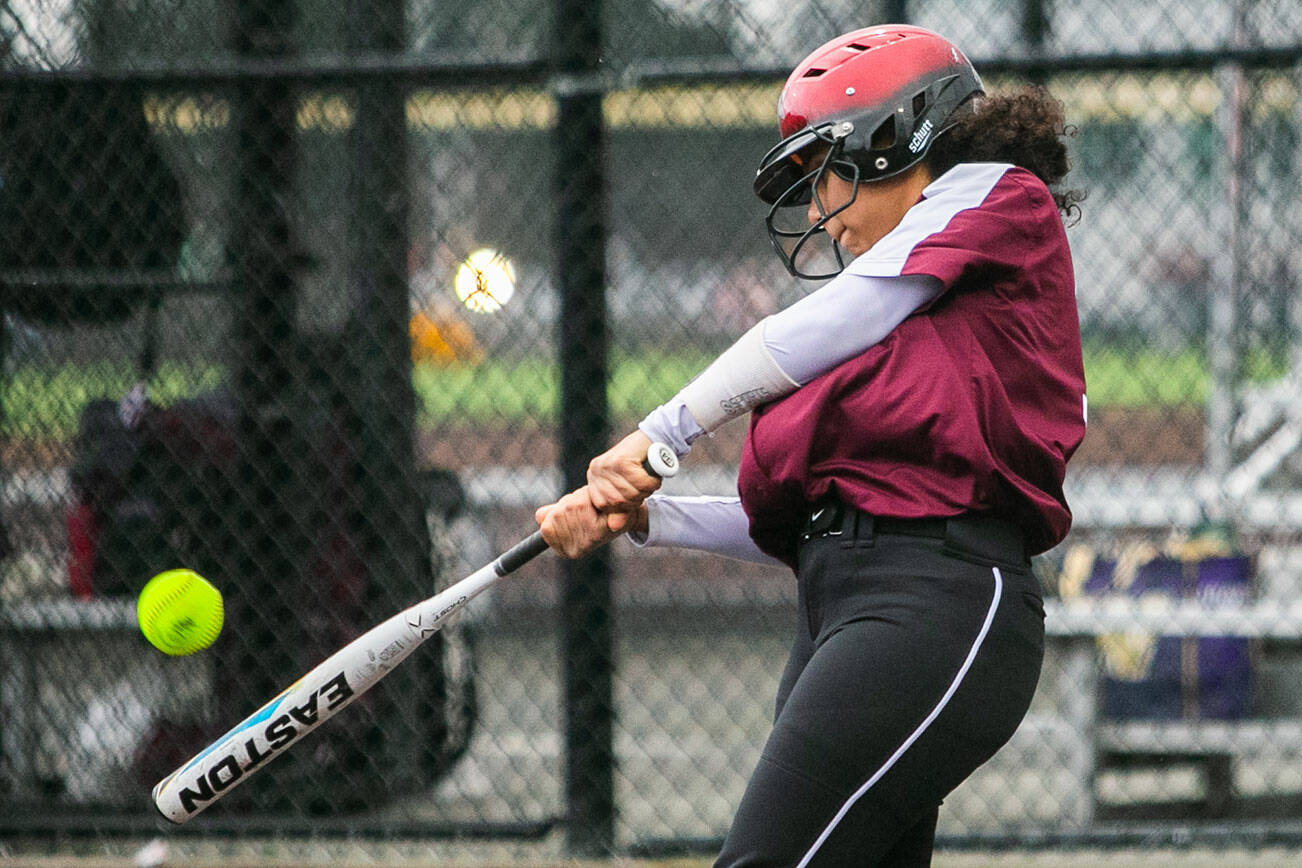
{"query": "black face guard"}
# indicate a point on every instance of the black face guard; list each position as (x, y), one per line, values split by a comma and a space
(800, 190)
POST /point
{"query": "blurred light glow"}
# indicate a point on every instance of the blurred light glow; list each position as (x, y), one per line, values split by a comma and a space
(485, 281)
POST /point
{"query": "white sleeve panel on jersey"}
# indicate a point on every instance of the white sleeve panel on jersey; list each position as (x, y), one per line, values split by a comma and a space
(965, 186)
(705, 523)
(788, 349)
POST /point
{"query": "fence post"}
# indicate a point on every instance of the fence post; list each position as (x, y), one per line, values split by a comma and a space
(388, 516)
(264, 564)
(584, 421)
(1223, 340)
(1035, 27)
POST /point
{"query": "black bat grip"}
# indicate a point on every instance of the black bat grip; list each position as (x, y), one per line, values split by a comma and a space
(520, 554)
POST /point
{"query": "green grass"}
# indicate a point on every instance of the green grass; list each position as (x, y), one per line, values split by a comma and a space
(1121, 377)
(517, 391)
(1113, 379)
(44, 402)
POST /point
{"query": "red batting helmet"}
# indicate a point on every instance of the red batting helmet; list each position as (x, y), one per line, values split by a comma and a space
(876, 99)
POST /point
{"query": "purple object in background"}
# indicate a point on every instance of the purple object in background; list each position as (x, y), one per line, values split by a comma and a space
(1172, 677)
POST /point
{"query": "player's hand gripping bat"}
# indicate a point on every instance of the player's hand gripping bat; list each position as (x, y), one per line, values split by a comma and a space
(338, 680)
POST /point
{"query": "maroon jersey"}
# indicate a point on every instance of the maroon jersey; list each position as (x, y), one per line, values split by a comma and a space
(973, 404)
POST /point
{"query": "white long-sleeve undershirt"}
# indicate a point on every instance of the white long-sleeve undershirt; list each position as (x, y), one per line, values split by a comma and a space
(838, 321)
(702, 522)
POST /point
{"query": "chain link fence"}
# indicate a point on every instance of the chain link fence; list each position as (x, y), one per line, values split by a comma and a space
(320, 299)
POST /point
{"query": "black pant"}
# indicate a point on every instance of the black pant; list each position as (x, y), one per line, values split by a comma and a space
(915, 660)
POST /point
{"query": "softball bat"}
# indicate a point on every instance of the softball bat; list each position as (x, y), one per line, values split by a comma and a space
(335, 682)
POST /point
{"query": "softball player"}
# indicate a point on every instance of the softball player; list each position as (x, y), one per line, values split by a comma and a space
(910, 425)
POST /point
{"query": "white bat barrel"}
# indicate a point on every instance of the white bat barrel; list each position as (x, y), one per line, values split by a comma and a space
(310, 701)
(337, 681)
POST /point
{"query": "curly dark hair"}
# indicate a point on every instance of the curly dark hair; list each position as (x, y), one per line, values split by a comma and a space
(1026, 128)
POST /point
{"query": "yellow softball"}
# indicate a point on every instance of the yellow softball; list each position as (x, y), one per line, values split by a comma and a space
(180, 612)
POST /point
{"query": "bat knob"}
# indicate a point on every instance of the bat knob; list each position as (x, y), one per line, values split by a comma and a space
(660, 461)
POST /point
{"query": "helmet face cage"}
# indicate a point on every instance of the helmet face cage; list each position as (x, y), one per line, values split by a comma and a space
(799, 193)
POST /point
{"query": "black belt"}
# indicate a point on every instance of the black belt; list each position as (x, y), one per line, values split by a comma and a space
(981, 537)
(838, 520)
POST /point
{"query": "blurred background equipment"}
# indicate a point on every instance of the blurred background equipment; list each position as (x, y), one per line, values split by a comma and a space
(443, 340)
(253, 323)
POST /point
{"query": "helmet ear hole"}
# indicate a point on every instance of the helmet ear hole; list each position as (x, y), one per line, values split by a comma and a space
(883, 137)
(919, 103)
